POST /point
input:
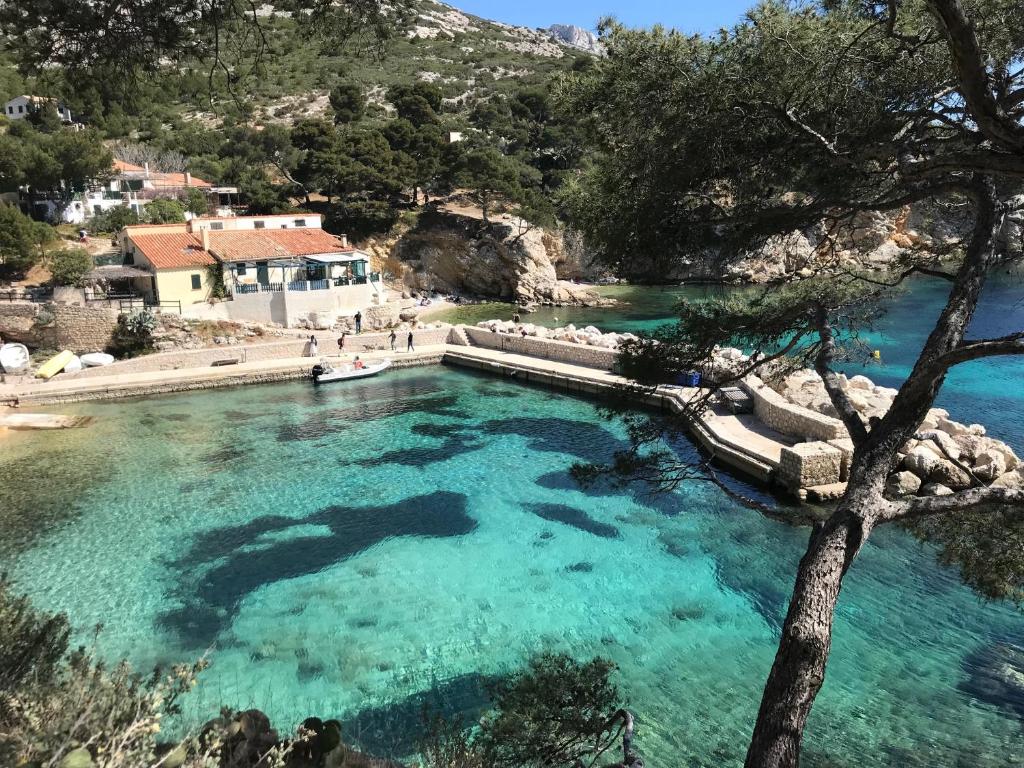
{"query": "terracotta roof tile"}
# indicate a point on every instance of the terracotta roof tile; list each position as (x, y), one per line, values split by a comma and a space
(263, 244)
(172, 250)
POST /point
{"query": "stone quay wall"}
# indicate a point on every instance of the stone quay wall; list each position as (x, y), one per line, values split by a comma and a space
(790, 419)
(545, 349)
(806, 465)
(275, 350)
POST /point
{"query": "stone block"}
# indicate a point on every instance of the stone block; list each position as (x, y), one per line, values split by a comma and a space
(808, 464)
(845, 445)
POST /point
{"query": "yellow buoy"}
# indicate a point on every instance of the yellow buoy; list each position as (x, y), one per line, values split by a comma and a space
(877, 354)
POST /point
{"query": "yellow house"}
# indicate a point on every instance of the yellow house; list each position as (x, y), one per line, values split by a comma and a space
(180, 265)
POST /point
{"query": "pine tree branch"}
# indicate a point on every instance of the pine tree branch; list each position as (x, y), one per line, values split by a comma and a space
(823, 365)
(972, 500)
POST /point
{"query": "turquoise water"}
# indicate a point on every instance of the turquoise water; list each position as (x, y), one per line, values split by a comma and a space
(986, 392)
(358, 550)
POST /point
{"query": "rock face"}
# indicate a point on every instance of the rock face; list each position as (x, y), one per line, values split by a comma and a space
(461, 255)
(872, 241)
(576, 37)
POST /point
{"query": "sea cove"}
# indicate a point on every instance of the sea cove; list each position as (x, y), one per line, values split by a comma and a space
(355, 552)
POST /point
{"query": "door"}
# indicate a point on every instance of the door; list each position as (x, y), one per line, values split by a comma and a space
(262, 274)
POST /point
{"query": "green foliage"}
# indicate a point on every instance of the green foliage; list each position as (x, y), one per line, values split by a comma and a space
(554, 713)
(348, 102)
(69, 265)
(490, 176)
(133, 335)
(112, 221)
(196, 202)
(31, 645)
(60, 162)
(164, 212)
(22, 241)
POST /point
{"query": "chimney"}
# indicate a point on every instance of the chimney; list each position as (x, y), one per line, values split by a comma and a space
(344, 241)
(188, 179)
(204, 235)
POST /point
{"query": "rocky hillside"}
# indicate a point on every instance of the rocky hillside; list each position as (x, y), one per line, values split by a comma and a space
(467, 56)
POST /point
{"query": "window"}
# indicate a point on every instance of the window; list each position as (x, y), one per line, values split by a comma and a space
(197, 282)
(216, 225)
(240, 270)
(260, 224)
(10, 110)
(299, 222)
(20, 109)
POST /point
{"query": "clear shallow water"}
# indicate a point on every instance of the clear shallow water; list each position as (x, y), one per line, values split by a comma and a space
(354, 551)
(986, 392)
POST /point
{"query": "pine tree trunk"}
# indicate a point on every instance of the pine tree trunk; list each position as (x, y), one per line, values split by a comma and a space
(799, 668)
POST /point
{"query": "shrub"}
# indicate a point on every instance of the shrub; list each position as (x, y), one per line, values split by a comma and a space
(133, 335)
(21, 241)
(165, 212)
(69, 265)
(112, 221)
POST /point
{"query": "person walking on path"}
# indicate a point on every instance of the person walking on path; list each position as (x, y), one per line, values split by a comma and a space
(312, 346)
(410, 347)
(393, 338)
(341, 342)
(359, 321)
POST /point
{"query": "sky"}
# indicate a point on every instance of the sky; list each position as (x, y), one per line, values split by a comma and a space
(704, 16)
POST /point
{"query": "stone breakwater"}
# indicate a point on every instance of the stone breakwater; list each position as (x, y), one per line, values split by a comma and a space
(945, 455)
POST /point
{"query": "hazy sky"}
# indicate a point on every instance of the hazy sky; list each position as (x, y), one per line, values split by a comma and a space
(686, 15)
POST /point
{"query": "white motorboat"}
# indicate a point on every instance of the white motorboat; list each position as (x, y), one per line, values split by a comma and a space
(324, 372)
(14, 358)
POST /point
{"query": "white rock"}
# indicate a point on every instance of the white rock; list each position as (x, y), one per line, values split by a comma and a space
(952, 427)
(990, 465)
(903, 484)
(948, 445)
(862, 382)
(976, 429)
(1012, 480)
(921, 461)
(936, 489)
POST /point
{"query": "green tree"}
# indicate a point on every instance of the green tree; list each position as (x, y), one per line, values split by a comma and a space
(22, 241)
(165, 212)
(489, 176)
(348, 102)
(196, 202)
(808, 115)
(113, 221)
(69, 265)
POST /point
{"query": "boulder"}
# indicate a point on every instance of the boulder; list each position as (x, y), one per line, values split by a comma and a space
(921, 461)
(952, 427)
(903, 484)
(936, 489)
(408, 314)
(950, 475)
(946, 444)
(1013, 481)
(862, 382)
(990, 464)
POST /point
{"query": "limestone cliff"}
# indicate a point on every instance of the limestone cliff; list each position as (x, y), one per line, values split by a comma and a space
(451, 253)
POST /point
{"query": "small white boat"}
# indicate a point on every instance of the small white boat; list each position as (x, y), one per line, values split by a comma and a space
(14, 358)
(324, 372)
(96, 359)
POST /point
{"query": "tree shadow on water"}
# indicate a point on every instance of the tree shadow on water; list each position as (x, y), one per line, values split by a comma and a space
(230, 562)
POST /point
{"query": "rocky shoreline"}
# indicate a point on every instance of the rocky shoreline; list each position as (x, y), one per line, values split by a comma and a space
(945, 455)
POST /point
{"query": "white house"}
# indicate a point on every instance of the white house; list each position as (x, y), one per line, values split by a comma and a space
(22, 106)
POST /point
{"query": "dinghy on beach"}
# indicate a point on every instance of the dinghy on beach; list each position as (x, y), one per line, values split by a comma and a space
(324, 372)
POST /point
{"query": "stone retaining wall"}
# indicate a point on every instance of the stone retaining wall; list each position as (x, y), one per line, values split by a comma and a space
(785, 417)
(806, 465)
(546, 349)
(58, 326)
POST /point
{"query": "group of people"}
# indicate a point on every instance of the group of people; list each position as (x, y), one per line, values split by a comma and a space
(314, 347)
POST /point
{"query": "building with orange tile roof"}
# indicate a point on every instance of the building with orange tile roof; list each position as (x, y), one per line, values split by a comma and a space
(274, 268)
